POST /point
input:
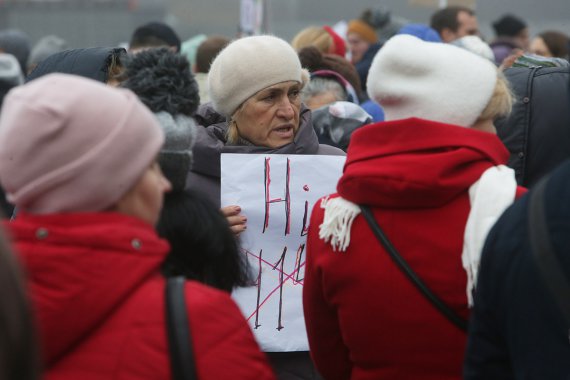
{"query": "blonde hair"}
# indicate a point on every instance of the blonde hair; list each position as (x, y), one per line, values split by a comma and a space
(313, 36)
(232, 134)
(501, 102)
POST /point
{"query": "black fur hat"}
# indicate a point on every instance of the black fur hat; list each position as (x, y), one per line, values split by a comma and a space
(163, 82)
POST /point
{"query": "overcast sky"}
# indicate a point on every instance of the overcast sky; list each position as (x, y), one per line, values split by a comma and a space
(289, 16)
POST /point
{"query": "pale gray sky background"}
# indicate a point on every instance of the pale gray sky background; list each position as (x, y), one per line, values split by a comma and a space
(96, 22)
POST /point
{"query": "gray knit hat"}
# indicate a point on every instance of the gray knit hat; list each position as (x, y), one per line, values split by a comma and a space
(163, 82)
(247, 66)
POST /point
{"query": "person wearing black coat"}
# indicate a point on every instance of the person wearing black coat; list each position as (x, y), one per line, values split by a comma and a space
(537, 133)
(517, 328)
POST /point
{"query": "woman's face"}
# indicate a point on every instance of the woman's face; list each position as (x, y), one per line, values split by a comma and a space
(538, 47)
(144, 200)
(357, 46)
(270, 118)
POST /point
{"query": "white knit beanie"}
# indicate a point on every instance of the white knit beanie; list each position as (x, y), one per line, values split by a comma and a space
(434, 81)
(247, 66)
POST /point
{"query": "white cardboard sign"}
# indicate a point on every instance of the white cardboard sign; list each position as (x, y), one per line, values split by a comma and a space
(276, 194)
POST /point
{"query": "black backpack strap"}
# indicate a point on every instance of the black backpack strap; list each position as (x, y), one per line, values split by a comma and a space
(178, 330)
(450, 314)
(543, 251)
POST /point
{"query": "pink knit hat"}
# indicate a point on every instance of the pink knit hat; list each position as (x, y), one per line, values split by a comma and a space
(71, 144)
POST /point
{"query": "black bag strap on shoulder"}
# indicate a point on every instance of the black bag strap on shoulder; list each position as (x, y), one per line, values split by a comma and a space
(543, 251)
(450, 314)
(178, 330)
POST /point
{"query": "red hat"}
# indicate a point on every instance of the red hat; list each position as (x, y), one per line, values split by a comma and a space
(339, 44)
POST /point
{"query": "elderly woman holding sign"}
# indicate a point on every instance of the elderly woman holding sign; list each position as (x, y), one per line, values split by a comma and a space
(255, 85)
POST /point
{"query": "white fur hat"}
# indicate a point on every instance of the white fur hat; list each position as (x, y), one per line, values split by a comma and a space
(249, 65)
(435, 81)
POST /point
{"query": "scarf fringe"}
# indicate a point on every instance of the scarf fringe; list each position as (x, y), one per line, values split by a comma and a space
(337, 222)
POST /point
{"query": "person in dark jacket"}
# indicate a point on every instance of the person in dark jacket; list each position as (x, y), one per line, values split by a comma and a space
(102, 64)
(255, 85)
(518, 330)
(512, 34)
(536, 133)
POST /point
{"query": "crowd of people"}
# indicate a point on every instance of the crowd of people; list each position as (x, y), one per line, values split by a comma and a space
(440, 255)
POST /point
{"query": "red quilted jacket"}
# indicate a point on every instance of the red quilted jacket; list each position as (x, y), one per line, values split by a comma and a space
(99, 298)
(365, 319)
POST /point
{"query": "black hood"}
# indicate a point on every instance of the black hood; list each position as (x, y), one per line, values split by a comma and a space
(90, 63)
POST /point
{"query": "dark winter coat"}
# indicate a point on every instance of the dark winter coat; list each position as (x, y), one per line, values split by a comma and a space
(90, 63)
(537, 133)
(516, 329)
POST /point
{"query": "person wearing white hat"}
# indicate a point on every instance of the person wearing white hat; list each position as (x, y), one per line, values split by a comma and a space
(432, 177)
(255, 88)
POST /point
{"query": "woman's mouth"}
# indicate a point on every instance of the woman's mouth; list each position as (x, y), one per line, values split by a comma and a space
(285, 131)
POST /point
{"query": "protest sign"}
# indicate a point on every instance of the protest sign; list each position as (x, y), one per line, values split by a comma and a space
(276, 194)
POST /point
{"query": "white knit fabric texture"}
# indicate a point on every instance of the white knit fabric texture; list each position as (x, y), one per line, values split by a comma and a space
(489, 197)
(337, 222)
(430, 80)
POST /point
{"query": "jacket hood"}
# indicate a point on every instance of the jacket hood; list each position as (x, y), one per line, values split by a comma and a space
(90, 63)
(81, 268)
(211, 141)
(416, 163)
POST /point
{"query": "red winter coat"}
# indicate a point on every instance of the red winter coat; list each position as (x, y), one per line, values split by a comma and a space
(99, 298)
(365, 319)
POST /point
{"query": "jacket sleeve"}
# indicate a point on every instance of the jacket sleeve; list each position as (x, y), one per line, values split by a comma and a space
(487, 355)
(329, 353)
(224, 346)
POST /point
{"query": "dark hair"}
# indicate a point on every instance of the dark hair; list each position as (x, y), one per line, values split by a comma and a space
(509, 25)
(5, 87)
(312, 59)
(376, 17)
(447, 18)
(162, 80)
(556, 42)
(19, 357)
(154, 34)
(208, 50)
(202, 246)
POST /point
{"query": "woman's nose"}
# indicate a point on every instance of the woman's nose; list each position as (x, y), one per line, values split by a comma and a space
(286, 109)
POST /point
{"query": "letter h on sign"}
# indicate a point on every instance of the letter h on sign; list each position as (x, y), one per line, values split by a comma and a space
(286, 200)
